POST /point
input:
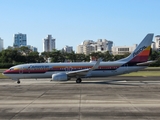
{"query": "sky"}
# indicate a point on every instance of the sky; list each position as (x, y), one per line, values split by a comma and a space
(70, 22)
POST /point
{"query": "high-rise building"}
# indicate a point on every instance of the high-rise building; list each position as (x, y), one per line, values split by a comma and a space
(48, 44)
(20, 40)
(1, 44)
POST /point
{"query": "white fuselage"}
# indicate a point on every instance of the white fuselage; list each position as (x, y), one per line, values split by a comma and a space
(46, 70)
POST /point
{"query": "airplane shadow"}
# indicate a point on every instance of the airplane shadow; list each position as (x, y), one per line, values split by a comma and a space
(107, 82)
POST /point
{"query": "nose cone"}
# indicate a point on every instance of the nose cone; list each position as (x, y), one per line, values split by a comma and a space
(5, 72)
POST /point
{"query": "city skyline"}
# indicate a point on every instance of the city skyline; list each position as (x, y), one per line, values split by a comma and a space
(71, 22)
(70, 48)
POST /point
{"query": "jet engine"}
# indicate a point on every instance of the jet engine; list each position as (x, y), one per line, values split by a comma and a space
(60, 77)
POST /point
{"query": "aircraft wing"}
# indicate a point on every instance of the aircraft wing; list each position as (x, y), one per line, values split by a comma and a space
(84, 72)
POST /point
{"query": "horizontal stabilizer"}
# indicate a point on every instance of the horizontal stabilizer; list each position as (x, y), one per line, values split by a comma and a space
(146, 63)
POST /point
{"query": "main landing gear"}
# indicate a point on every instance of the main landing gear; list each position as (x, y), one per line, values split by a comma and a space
(18, 82)
(78, 80)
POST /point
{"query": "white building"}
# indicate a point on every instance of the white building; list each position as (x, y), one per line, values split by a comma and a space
(1, 44)
(157, 43)
(89, 46)
(67, 49)
(153, 46)
(87, 49)
(104, 45)
(20, 40)
(80, 49)
(120, 50)
(48, 44)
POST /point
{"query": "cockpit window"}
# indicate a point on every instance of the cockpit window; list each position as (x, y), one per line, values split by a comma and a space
(11, 69)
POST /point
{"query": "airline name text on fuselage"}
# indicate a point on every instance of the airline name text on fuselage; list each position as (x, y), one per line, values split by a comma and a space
(141, 49)
(39, 67)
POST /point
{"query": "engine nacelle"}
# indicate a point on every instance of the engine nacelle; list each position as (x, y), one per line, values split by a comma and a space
(60, 77)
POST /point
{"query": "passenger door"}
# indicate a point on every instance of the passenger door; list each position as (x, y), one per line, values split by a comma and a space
(21, 70)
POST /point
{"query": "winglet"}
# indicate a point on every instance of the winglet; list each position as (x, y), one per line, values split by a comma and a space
(97, 64)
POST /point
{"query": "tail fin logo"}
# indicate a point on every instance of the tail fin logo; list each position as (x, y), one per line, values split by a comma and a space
(140, 50)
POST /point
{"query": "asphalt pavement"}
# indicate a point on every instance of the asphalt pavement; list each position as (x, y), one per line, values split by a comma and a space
(113, 98)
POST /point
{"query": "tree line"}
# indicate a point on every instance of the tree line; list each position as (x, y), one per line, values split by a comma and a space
(11, 57)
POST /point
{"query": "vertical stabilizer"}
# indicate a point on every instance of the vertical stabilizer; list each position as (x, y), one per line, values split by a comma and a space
(142, 52)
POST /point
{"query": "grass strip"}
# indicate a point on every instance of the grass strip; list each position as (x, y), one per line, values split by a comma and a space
(143, 73)
(2, 76)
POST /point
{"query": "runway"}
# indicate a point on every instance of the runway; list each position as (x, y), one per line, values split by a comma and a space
(112, 98)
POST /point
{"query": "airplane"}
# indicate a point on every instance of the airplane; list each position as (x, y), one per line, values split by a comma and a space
(137, 60)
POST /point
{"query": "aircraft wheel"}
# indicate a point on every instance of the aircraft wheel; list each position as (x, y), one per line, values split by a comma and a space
(18, 82)
(78, 80)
